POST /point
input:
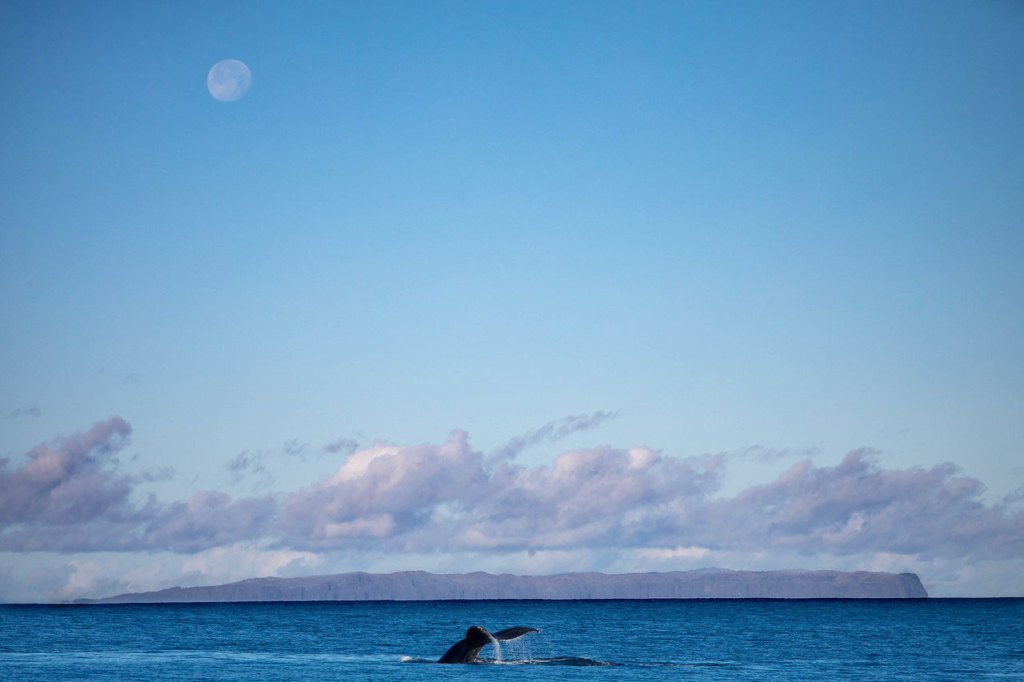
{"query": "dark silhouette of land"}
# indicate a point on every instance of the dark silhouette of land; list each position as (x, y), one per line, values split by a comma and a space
(711, 583)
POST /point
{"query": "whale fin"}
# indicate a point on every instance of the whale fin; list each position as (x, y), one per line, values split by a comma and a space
(512, 633)
(466, 649)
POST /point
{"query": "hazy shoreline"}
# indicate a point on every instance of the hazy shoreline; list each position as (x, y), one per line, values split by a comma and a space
(423, 586)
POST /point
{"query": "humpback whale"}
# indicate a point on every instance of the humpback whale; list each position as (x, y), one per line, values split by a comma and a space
(466, 649)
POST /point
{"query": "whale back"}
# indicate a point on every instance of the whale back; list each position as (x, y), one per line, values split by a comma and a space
(467, 648)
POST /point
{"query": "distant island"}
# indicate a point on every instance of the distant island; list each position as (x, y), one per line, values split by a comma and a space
(712, 583)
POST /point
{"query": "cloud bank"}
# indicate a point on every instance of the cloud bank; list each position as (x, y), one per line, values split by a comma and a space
(71, 496)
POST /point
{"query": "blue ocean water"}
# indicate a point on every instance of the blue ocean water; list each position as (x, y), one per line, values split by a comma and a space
(931, 639)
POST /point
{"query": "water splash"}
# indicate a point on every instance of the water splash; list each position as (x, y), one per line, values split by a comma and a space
(497, 648)
(518, 649)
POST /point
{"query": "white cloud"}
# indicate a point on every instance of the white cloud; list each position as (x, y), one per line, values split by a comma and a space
(632, 506)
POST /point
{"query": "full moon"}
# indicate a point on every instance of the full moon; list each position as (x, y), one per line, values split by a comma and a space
(228, 80)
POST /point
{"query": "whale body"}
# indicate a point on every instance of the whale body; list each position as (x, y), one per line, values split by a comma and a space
(466, 649)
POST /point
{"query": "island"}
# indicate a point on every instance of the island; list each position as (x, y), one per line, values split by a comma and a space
(712, 583)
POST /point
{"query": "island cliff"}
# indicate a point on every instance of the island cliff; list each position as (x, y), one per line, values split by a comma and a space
(421, 586)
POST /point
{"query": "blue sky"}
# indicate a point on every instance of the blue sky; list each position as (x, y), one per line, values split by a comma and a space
(746, 237)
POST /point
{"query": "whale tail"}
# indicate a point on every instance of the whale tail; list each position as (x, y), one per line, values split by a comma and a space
(512, 633)
(466, 649)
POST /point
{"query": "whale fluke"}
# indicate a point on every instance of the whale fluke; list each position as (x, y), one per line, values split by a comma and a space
(512, 633)
(466, 649)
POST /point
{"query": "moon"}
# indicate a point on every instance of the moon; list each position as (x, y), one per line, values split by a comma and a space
(228, 80)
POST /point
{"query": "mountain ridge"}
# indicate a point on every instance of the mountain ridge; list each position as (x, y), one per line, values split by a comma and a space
(708, 583)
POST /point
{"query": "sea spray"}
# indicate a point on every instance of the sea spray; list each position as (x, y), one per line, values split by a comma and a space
(518, 649)
(497, 648)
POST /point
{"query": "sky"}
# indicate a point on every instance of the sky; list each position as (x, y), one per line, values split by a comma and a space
(522, 287)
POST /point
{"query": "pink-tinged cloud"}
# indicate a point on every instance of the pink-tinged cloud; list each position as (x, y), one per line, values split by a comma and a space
(70, 496)
(385, 491)
(209, 519)
(602, 497)
(857, 506)
(62, 482)
(450, 497)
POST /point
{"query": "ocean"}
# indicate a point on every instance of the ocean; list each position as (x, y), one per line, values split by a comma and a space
(934, 639)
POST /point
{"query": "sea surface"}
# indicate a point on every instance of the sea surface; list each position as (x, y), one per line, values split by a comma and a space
(933, 639)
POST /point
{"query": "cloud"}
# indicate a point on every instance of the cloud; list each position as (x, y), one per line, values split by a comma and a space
(552, 432)
(245, 560)
(595, 498)
(30, 411)
(343, 446)
(67, 480)
(448, 498)
(764, 455)
(256, 464)
(418, 499)
(384, 491)
(209, 519)
(246, 464)
(296, 448)
(70, 496)
(857, 506)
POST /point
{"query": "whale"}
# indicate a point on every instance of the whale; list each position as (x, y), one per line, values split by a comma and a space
(466, 649)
